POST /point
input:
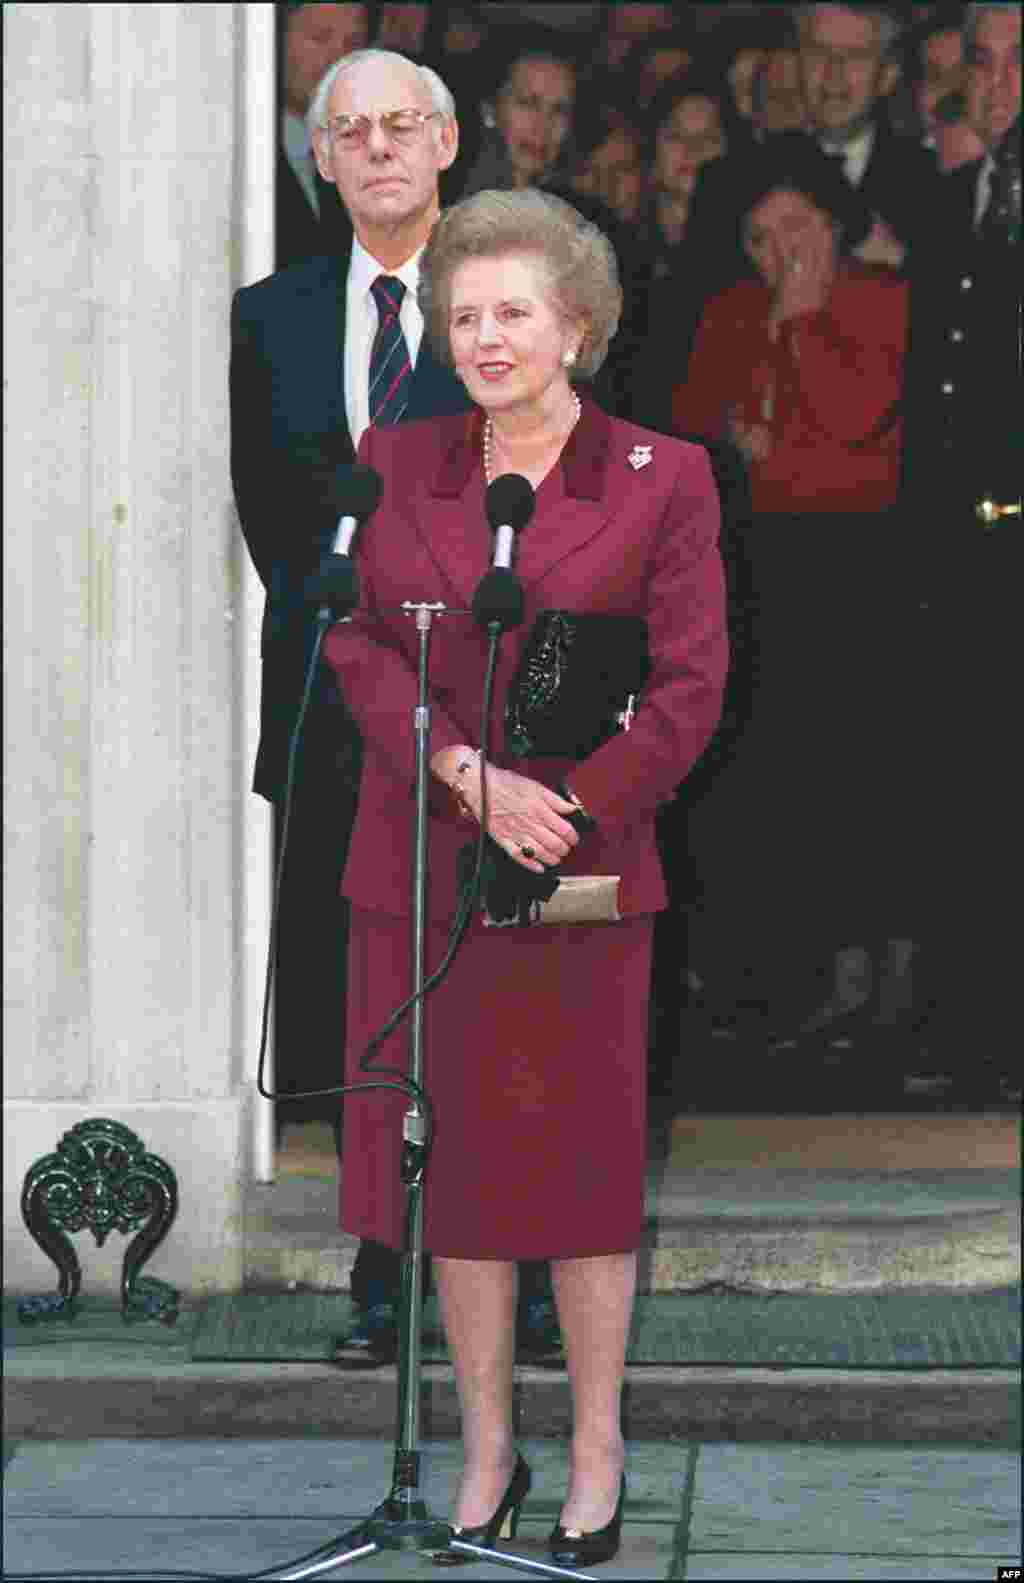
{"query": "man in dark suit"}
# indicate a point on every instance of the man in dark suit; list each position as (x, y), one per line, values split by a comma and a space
(308, 376)
(963, 401)
(310, 218)
(848, 68)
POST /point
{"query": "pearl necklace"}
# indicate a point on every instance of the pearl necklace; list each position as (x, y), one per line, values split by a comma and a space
(489, 439)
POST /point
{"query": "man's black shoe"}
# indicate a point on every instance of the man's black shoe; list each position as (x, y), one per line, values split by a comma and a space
(372, 1343)
(538, 1337)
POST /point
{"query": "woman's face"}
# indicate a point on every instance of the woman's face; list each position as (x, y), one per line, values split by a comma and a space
(690, 135)
(533, 113)
(782, 226)
(507, 334)
(614, 172)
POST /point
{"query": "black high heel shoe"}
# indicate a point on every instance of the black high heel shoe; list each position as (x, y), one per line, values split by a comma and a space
(502, 1525)
(571, 1549)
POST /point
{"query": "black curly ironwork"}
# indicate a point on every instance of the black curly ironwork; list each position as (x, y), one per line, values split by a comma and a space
(101, 1178)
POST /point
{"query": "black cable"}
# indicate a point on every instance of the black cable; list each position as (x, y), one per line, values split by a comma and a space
(401, 1081)
(95, 1575)
(470, 894)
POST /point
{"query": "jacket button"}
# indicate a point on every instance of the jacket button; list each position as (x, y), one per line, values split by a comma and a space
(966, 283)
(956, 335)
(947, 387)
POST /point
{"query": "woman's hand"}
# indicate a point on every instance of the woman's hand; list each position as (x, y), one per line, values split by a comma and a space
(521, 813)
(807, 271)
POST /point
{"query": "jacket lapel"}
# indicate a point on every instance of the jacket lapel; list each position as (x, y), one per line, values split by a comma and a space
(453, 523)
(454, 526)
(583, 511)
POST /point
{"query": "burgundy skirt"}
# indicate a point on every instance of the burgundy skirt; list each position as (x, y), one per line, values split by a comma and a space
(535, 1060)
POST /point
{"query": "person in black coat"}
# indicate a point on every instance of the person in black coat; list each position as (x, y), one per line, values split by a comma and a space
(848, 68)
(309, 215)
(302, 350)
(962, 494)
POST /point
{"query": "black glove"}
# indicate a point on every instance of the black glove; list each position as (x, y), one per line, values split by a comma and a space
(507, 888)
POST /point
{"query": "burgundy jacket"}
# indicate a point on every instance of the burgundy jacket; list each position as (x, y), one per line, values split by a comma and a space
(605, 537)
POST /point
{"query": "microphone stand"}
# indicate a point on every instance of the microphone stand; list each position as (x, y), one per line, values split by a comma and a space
(402, 1520)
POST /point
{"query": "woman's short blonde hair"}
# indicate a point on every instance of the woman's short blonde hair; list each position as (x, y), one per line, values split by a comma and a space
(577, 257)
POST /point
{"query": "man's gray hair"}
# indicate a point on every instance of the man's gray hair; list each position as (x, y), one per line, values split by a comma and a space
(974, 13)
(316, 115)
(889, 25)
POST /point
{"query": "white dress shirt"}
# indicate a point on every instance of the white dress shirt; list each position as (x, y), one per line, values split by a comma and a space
(299, 154)
(983, 189)
(361, 320)
(855, 154)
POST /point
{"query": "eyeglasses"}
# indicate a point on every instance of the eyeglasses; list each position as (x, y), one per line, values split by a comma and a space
(401, 126)
(845, 59)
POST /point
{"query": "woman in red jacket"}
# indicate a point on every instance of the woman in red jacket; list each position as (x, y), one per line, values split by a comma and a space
(799, 842)
(803, 368)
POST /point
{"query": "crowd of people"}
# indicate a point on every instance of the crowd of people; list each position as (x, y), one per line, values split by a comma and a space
(780, 185)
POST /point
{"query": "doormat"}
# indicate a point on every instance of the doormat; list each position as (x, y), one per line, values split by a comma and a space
(97, 1321)
(888, 1331)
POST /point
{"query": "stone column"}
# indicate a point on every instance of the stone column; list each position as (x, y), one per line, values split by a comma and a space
(124, 911)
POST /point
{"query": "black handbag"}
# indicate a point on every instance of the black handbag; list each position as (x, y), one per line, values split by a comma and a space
(575, 684)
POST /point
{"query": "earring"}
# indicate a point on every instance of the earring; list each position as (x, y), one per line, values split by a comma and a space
(569, 358)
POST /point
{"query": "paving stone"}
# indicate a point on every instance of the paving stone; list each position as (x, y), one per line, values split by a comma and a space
(797, 1568)
(335, 1479)
(848, 1500)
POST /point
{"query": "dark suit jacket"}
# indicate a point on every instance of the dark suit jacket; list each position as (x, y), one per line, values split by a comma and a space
(606, 538)
(963, 398)
(901, 183)
(287, 417)
(298, 232)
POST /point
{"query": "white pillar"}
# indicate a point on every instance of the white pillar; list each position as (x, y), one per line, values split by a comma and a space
(129, 839)
(256, 141)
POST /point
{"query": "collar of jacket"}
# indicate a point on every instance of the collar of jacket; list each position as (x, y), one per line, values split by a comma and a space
(584, 460)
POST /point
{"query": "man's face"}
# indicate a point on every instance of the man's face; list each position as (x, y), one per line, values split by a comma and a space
(384, 185)
(778, 93)
(687, 139)
(402, 27)
(533, 113)
(660, 65)
(614, 173)
(842, 68)
(992, 82)
(627, 23)
(316, 36)
(941, 74)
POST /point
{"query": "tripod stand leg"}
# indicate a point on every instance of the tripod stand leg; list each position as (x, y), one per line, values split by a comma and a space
(505, 1558)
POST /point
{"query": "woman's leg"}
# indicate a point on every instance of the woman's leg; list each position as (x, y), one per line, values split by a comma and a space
(478, 1304)
(595, 1306)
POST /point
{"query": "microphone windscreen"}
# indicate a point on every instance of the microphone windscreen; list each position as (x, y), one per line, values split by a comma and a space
(509, 502)
(356, 490)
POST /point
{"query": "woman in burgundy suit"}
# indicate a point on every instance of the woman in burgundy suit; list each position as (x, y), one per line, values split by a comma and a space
(535, 1047)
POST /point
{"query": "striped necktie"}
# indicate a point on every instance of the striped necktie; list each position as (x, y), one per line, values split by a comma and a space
(390, 365)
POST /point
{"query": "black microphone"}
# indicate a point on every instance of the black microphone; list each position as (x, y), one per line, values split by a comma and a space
(499, 599)
(354, 492)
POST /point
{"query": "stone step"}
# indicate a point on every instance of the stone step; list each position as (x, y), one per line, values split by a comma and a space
(840, 1203)
(97, 1393)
